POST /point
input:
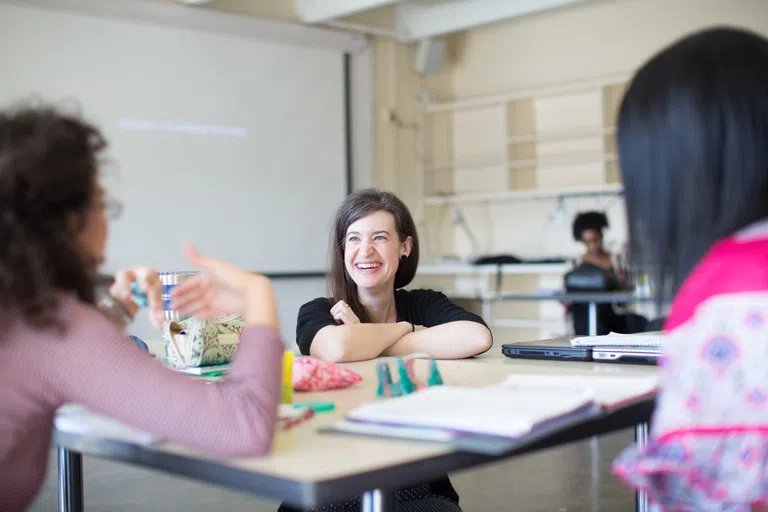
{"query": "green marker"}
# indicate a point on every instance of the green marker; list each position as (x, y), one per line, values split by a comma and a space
(316, 406)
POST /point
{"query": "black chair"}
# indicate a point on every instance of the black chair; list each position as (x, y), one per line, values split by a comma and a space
(588, 277)
(657, 324)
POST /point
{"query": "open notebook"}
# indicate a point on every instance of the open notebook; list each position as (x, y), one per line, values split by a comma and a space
(490, 419)
(650, 339)
(485, 411)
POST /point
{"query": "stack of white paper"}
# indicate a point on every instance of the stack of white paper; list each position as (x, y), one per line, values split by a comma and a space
(620, 340)
(609, 391)
(75, 419)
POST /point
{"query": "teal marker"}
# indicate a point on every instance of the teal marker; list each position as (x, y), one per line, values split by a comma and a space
(138, 295)
(407, 387)
(434, 374)
(316, 406)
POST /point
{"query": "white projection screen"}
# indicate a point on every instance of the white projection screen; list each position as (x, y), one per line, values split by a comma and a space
(235, 143)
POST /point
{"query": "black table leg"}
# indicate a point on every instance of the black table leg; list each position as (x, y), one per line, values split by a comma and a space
(70, 481)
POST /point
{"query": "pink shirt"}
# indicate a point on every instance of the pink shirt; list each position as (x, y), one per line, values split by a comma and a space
(709, 437)
(95, 365)
(738, 264)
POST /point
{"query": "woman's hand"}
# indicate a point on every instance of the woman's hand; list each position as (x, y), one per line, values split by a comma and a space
(223, 288)
(149, 283)
(343, 314)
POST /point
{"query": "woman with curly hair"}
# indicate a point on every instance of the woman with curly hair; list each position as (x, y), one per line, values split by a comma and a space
(58, 346)
(588, 229)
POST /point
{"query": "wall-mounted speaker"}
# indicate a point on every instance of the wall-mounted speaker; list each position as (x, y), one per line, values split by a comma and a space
(428, 55)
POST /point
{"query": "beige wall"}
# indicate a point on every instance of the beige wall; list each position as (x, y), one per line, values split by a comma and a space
(596, 39)
(396, 123)
(599, 38)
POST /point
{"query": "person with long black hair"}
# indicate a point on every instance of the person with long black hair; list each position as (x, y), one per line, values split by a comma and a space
(693, 153)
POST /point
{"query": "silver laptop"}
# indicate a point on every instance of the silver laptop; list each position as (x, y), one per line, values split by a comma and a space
(629, 355)
(556, 349)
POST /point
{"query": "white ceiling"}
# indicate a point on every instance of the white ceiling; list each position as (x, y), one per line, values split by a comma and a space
(406, 20)
(419, 19)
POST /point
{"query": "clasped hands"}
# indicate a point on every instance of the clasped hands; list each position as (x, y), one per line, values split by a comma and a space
(343, 314)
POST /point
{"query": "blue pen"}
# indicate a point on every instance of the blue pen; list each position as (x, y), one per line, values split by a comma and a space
(140, 343)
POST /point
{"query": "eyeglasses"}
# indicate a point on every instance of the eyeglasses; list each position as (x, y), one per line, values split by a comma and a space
(112, 208)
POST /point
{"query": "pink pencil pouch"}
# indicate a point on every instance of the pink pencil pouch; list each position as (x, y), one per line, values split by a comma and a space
(310, 374)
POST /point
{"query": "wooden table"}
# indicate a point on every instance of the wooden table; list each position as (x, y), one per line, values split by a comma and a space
(307, 468)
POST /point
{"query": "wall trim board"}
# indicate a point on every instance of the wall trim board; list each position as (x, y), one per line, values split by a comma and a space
(538, 91)
(108, 279)
(348, 135)
(297, 275)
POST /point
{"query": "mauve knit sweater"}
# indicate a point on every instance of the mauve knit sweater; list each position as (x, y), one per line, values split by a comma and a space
(94, 364)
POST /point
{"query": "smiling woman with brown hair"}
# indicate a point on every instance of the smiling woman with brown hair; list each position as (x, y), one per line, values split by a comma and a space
(375, 253)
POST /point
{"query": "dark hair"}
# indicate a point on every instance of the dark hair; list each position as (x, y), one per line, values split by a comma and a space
(48, 164)
(356, 206)
(585, 221)
(692, 133)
